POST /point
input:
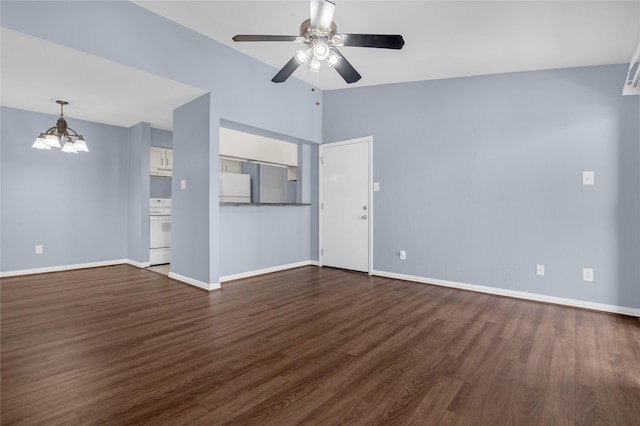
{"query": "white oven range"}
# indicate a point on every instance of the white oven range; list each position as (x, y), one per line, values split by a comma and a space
(159, 231)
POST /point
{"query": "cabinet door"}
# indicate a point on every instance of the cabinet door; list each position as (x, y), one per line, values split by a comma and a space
(168, 159)
(158, 161)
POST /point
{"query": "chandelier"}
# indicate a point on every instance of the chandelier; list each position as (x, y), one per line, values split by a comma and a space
(58, 134)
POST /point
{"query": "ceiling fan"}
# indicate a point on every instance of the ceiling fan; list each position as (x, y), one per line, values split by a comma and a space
(320, 36)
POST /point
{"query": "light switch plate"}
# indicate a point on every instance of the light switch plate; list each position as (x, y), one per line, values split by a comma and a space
(539, 269)
(376, 186)
(183, 184)
(588, 177)
(403, 255)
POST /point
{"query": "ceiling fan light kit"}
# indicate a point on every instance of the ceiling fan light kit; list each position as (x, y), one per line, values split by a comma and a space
(303, 55)
(320, 36)
(60, 133)
(320, 50)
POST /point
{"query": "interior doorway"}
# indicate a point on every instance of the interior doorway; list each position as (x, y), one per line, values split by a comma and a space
(160, 269)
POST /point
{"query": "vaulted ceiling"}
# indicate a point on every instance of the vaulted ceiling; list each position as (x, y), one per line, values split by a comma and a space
(444, 39)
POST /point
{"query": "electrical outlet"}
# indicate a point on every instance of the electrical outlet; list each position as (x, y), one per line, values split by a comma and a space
(588, 177)
(39, 249)
(539, 269)
(403, 255)
(587, 274)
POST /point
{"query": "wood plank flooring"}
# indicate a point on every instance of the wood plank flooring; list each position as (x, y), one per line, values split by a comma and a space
(120, 346)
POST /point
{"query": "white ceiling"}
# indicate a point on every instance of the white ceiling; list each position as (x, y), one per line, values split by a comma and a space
(443, 40)
(97, 89)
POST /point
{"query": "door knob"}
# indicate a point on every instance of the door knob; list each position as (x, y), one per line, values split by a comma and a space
(364, 216)
(364, 207)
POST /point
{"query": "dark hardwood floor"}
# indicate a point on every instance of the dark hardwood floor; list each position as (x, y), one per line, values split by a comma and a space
(121, 345)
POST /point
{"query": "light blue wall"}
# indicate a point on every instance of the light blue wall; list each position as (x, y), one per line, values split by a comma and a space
(481, 179)
(160, 187)
(306, 190)
(240, 87)
(259, 237)
(163, 138)
(138, 193)
(190, 245)
(74, 205)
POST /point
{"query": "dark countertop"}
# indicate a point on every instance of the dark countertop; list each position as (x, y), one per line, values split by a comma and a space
(265, 204)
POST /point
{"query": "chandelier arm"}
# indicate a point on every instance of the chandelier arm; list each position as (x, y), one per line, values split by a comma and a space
(74, 135)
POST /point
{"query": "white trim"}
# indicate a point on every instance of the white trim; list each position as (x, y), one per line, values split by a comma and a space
(196, 283)
(369, 141)
(320, 205)
(370, 146)
(267, 270)
(62, 268)
(138, 264)
(515, 294)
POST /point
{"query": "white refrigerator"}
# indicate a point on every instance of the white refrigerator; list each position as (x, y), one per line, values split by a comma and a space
(235, 188)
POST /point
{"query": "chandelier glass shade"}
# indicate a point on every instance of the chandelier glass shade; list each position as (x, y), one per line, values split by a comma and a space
(61, 134)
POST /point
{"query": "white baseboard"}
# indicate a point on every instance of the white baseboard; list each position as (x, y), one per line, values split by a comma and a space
(138, 264)
(196, 283)
(62, 268)
(268, 270)
(516, 294)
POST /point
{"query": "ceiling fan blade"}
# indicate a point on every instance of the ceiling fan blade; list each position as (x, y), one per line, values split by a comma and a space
(322, 14)
(345, 69)
(382, 41)
(242, 37)
(286, 71)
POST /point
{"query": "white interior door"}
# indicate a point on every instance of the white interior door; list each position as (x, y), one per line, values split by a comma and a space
(345, 205)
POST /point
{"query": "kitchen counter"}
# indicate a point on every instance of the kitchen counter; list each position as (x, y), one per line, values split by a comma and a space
(265, 204)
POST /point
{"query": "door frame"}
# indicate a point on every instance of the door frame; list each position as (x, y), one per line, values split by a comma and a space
(369, 141)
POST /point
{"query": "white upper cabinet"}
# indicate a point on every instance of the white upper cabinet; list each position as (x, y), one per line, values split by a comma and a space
(160, 161)
(248, 147)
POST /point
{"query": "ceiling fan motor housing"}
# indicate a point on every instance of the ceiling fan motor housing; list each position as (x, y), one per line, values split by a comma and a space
(308, 34)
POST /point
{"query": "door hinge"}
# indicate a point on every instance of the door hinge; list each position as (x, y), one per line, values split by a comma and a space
(322, 252)
(321, 206)
(321, 160)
